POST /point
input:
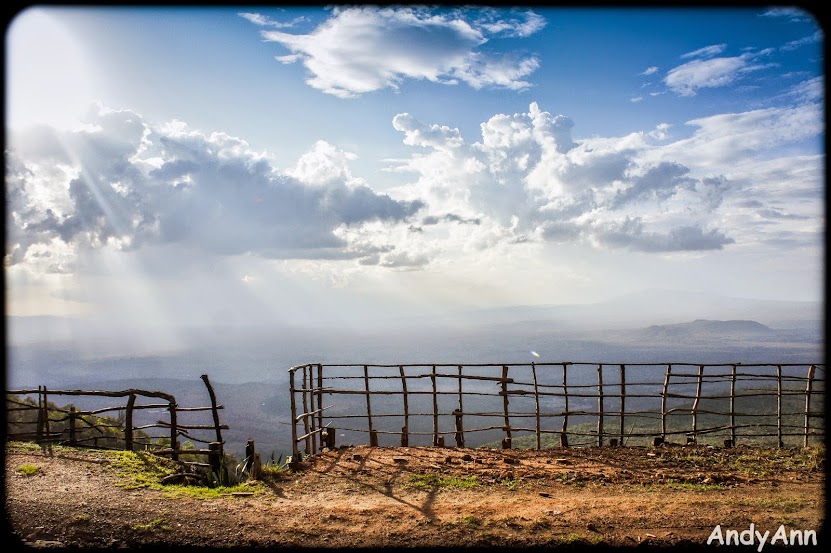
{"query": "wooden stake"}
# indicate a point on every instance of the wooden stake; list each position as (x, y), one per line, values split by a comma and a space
(505, 404)
(174, 431)
(214, 409)
(128, 423)
(435, 409)
(320, 400)
(733, 406)
(405, 436)
(368, 404)
(536, 404)
(808, 403)
(695, 403)
(664, 405)
(72, 426)
(600, 405)
(294, 451)
(460, 438)
(306, 429)
(779, 406)
(622, 401)
(564, 434)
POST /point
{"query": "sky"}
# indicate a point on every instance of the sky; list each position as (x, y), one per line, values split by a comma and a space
(168, 167)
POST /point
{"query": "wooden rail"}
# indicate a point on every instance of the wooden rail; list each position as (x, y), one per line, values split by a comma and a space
(122, 433)
(726, 402)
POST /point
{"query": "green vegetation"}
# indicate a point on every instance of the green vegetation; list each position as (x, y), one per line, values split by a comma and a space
(81, 518)
(28, 469)
(155, 524)
(429, 481)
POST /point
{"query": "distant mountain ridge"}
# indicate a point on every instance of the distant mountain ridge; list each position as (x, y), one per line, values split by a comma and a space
(708, 327)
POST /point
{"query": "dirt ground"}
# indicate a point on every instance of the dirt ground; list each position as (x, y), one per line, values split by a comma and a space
(427, 497)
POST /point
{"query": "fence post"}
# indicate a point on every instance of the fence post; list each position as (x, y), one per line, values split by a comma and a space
(564, 433)
(733, 406)
(460, 437)
(779, 406)
(460, 432)
(308, 448)
(320, 400)
(214, 408)
(295, 453)
(600, 405)
(308, 387)
(695, 404)
(174, 431)
(369, 407)
(72, 439)
(664, 405)
(215, 459)
(128, 423)
(808, 403)
(506, 442)
(41, 412)
(435, 409)
(405, 430)
(622, 402)
(536, 404)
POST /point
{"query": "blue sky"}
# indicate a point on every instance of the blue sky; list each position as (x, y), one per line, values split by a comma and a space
(296, 164)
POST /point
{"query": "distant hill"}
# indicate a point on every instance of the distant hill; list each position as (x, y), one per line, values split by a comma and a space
(707, 329)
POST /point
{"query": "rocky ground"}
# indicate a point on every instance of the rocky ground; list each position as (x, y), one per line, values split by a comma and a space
(423, 497)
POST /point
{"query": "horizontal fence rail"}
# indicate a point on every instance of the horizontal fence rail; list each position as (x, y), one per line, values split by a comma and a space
(532, 404)
(85, 428)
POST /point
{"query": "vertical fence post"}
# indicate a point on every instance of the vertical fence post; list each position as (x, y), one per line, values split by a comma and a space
(779, 406)
(295, 453)
(733, 406)
(506, 442)
(46, 414)
(72, 438)
(405, 430)
(304, 395)
(664, 404)
(435, 408)
(174, 431)
(695, 404)
(128, 423)
(564, 433)
(622, 402)
(320, 401)
(368, 405)
(214, 408)
(600, 405)
(41, 411)
(312, 422)
(460, 432)
(808, 403)
(536, 404)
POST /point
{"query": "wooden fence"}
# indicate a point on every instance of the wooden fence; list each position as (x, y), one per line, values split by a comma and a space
(598, 403)
(119, 433)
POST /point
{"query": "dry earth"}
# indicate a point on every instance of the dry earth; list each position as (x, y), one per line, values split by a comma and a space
(406, 497)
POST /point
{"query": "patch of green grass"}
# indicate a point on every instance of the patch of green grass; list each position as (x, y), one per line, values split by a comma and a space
(81, 518)
(510, 484)
(28, 469)
(470, 520)
(693, 486)
(428, 481)
(155, 524)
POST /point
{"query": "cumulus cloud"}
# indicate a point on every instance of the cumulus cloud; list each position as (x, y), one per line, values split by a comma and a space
(124, 183)
(688, 78)
(364, 49)
(630, 234)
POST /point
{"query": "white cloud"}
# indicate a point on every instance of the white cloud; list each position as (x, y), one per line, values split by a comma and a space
(265, 21)
(798, 43)
(650, 70)
(706, 52)
(810, 90)
(795, 15)
(207, 192)
(636, 99)
(686, 79)
(360, 50)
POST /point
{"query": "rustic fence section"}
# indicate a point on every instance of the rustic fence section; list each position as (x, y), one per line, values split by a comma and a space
(593, 402)
(108, 432)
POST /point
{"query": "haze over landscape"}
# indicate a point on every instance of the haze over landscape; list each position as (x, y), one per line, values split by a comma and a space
(235, 191)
